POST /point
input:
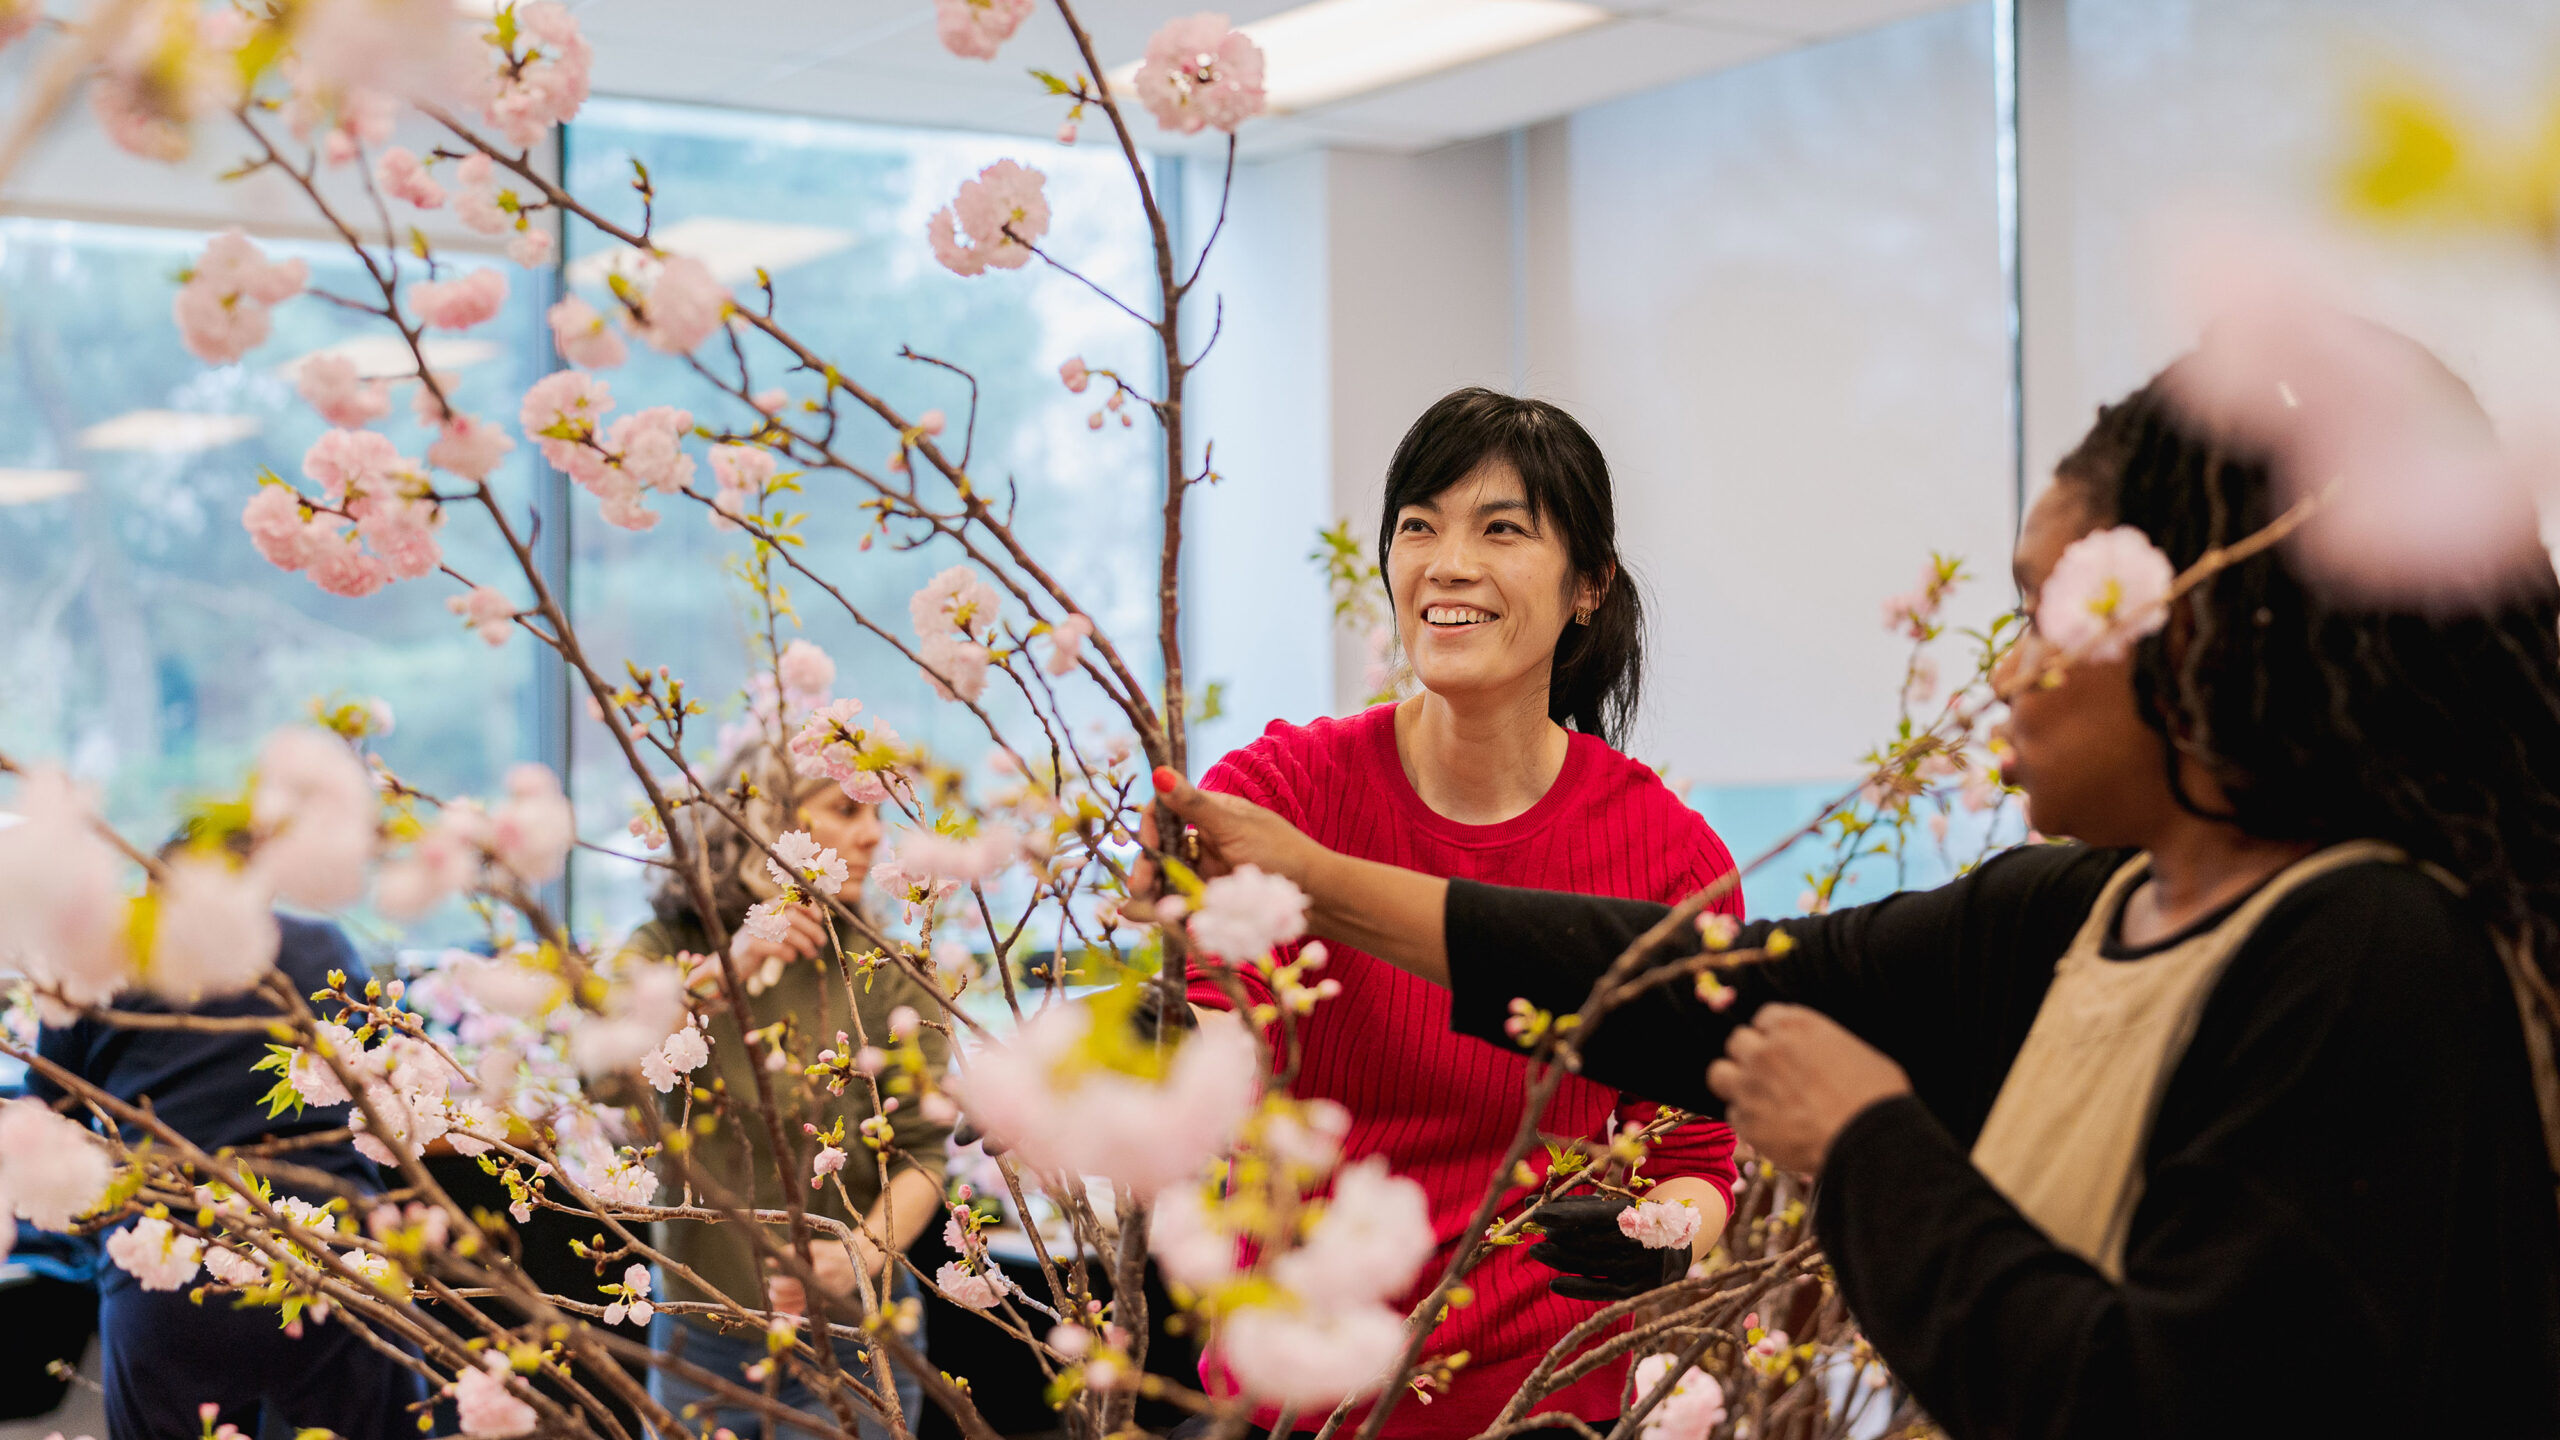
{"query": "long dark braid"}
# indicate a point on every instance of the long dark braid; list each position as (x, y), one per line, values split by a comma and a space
(2439, 734)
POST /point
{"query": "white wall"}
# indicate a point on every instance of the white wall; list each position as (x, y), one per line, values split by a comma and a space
(2138, 117)
(1775, 296)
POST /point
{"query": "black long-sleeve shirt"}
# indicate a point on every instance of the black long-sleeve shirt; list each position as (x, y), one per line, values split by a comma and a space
(2348, 1222)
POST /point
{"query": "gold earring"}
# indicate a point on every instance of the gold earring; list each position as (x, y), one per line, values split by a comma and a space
(1581, 617)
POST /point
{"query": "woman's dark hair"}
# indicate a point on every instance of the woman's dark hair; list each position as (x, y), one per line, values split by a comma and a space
(1598, 673)
(2324, 719)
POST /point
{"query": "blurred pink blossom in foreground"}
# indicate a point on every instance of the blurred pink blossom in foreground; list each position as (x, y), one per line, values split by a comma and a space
(1060, 1112)
(2428, 509)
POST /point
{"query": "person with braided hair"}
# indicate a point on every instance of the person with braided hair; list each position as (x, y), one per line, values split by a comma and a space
(2222, 1119)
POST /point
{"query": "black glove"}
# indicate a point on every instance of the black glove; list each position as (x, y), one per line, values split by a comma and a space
(1598, 1259)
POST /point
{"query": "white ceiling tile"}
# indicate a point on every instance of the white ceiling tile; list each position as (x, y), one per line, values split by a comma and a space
(1528, 86)
(879, 60)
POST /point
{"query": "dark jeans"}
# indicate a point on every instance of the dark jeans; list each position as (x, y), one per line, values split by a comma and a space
(727, 1353)
(166, 1356)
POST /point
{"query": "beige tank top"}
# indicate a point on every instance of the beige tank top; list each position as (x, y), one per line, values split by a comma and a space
(2065, 1137)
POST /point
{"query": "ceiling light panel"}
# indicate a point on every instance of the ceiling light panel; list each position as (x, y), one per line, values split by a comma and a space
(733, 250)
(26, 487)
(1334, 49)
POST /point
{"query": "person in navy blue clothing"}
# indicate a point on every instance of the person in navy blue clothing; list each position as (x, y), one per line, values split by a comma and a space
(165, 1355)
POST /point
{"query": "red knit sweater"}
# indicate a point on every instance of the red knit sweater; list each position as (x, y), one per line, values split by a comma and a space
(1440, 1107)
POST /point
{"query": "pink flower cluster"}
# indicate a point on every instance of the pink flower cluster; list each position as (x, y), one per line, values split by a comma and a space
(1245, 915)
(1201, 74)
(545, 81)
(459, 304)
(1659, 1224)
(807, 674)
(972, 29)
(955, 615)
(364, 479)
(154, 1253)
(345, 118)
(993, 221)
(806, 865)
(478, 201)
(1066, 644)
(861, 758)
(931, 855)
(487, 1407)
(2105, 593)
(222, 308)
(488, 611)
(1694, 1407)
(741, 472)
(52, 1170)
(1062, 1112)
(583, 337)
(679, 1055)
(344, 398)
(638, 453)
(173, 63)
(60, 898)
(403, 176)
(675, 303)
(526, 837)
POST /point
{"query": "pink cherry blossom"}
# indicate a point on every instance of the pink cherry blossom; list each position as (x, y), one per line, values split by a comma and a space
(1004, 212)
(316, 813)
(972, 1289)
(1694, 1407)
(549, 80)
(1201, 74)
(1061, 1113)
(2105, 593)
(340, 120)
(486, 1406)
(1067, 133)
(222, 309)
(281, 528)
(560, 415)
(942, 232)
(929, 855)
(1187, 1242)
(1074, 375)
(2421, 504)
(172, 64)
(343, 398)
(479, 202)
(741, 471)
(972, 29)
(399, 48)
(403, 177)
(957, 669)
(1659, 1224)
(680, 306)
(1243, 915)
(770, 401)
(531, 248)
(532, 829)
(807, 674)
(214, 932)
(488, 611)
(830, 1159)
(350, 462)
(957, 600)
(1312, 1354)
(806, 865)
(153, 1252)
(469, 446)
(1368, 1245)
(17, 18)
(583, 337)
(1066, 644)
(52, 1170)
(768, 920)
(860, 756)
(460, 304)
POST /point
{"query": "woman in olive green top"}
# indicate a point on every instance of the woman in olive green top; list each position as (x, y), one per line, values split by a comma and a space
(796, 982)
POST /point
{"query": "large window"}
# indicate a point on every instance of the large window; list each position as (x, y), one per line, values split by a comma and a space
(835, 214)
(148, 647)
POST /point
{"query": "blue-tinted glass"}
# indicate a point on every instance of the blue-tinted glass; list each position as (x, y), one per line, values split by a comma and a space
(836, 214)
(148, 646)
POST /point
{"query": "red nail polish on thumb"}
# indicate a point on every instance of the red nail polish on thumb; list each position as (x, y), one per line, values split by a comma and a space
(1167, 778)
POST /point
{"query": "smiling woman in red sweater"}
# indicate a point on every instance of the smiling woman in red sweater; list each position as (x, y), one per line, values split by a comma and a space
(1498, 541)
